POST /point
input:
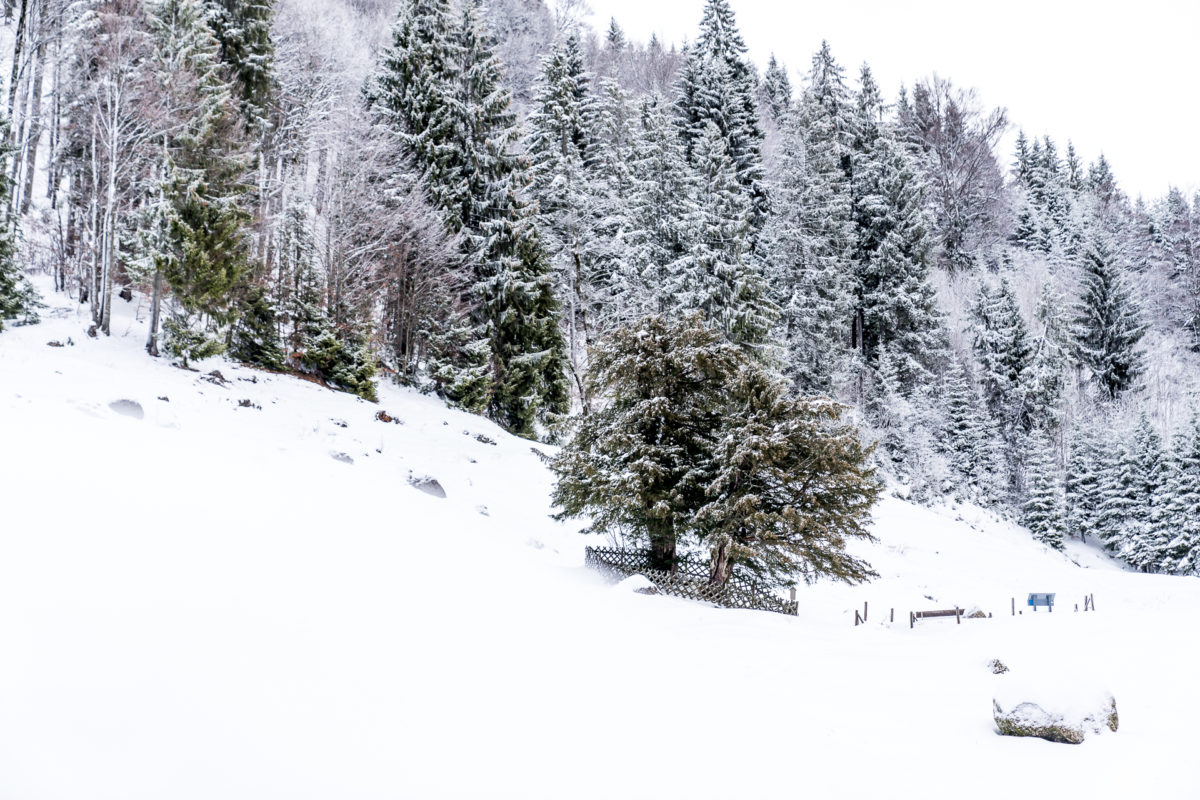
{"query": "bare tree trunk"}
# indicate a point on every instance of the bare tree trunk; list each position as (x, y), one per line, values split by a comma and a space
(17, 47)
(720, 565)
(35, 127)
(53, 169)
(155, 306)
(662, 544)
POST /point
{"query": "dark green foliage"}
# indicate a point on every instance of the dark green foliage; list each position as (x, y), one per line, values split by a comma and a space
(716, 87)
(346, 364)
(640, 465)
(1086, 469)
(243, 27)
(1106, 328)
(255, 335)
(1045, 513)
(699, 446)
(971, 442)
(777, 90)
(439, 88)
(18, 301)
(205, 252)
(897, 301)
(792, 486)
(184, 341)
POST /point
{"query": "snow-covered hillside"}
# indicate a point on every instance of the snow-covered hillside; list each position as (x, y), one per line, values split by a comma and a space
(252, 601)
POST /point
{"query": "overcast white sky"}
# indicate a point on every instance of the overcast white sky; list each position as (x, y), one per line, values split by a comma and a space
(1122, 78)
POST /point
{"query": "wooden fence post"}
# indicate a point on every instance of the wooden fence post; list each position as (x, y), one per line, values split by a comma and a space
(957, 615)
(912, 620)
(864, 612)
(893, 615)
(1014, 606)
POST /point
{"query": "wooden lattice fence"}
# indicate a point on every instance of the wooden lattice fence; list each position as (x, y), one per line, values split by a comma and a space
(690, 580)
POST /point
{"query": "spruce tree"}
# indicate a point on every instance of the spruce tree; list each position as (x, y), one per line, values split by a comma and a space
(651, 220)
(698, 445)
(17, 298)
(1045, 514)
(568, 216)
(514, 291)
(717, 87)
(970, 438)
(1084, 483)
(201, 249)
(777, 90)
(1106, 326)
(717, 274)
(793, 484)
(243, 28)
(1142, 546)
(642, 463)
(440, 88)
(1179, 530)
(810, 238)
(897, 302)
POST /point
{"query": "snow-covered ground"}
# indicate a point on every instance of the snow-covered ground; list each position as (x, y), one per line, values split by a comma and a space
(211, 601)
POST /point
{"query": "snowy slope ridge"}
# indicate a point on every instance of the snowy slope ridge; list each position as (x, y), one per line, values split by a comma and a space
(209, 601)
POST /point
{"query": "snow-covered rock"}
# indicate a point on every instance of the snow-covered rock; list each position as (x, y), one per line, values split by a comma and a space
(1057, 711)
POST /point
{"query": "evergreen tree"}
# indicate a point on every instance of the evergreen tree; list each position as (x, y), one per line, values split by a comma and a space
(717, 87)
(652, 220)
(809, 241)
(414, 92)
(558, 148)
(777, 90)
(641, 464)
(200, 250)
(255, 335)
(792, 485)
(717, 274)
(970, 437)
(897, 302)
(699, 445)
(1151, 470)
(1045, 514)
(1179, 529)
(17, 298)
(1106, 328)
(1084, 485)
(243, 28)
(514, 292)
(440, 87)
(1004, 353)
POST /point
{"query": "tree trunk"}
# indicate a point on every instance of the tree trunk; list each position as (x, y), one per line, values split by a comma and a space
(16, 64)
(155, 305)
(35, 127)
(720, 566)
(662, 544)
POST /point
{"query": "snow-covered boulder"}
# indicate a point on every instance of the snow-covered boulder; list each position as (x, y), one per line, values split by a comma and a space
(637, 583)
(1063, 711)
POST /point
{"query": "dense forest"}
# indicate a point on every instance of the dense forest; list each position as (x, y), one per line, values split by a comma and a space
(477, 199)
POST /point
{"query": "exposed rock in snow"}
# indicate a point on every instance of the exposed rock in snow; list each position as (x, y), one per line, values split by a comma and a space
(1067, 717)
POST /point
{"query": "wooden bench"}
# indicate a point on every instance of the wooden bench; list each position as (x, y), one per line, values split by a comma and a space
(1042, 599)
(913, 616)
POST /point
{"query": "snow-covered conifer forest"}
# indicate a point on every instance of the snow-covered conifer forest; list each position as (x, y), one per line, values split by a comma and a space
(832, 336)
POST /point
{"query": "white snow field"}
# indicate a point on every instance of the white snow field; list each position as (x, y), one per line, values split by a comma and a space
(206, 603)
